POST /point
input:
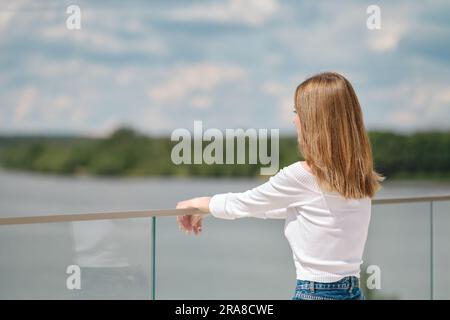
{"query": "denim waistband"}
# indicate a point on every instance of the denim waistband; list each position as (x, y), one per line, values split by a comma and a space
(345, 283)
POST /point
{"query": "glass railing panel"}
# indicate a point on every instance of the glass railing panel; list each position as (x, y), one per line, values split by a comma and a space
(239, 259)
(441, 252)
(107, 259)
(33, 258)
(398, 251)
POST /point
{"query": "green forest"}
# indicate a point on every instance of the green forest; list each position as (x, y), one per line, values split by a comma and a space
(422, 155)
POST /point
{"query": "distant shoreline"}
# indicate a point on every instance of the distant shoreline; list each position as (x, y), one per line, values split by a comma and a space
(395, 179)
(421, 156)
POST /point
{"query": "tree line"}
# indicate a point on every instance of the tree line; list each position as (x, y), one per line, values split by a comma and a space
(128, 153)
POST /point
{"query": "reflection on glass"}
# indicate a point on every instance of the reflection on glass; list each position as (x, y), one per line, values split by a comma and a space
(113, 256)
(399, 244)
(106, 252)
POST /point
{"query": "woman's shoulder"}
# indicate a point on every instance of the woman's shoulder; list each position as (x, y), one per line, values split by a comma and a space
(300, 172)
(299, 168)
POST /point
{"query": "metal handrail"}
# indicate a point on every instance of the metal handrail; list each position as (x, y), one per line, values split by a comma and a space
(98, 216)
(410, 199)
(169, 212)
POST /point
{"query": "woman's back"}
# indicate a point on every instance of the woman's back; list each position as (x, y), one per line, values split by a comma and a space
(326, 232)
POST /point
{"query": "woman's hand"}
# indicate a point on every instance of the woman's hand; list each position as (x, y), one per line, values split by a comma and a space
(192, 222)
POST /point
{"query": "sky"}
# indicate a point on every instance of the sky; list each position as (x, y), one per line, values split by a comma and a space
(159, 65)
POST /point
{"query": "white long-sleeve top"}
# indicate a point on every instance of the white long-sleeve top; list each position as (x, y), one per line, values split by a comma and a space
(325, 231)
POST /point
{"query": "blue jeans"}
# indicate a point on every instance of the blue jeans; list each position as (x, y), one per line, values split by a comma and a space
(345, 289)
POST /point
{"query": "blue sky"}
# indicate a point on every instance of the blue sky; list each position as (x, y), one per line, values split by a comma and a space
(160, 65)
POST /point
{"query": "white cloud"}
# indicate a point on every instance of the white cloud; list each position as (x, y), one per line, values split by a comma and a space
(201, 102)
(124, 76)
(153, 119)
(273, 60)
(397, 20)
(249, 12)
(403, 118)
(62, 102)
(42, 67)
(105, 128)
(191, 78)
(8, 12)
(273, 88)
(133, 25)
(413, 104)
(24, 105)
(285, 106)
(36, 109)
(105, 40)
(388, 37)
(333, 39)
(283, 94)
(444, 96)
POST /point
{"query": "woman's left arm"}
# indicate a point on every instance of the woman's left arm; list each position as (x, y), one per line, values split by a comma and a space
(268, 200)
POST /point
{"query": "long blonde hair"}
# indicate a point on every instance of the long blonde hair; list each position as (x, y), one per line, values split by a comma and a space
(332, 136)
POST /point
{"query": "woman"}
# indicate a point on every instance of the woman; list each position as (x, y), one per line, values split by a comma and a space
(325, 200)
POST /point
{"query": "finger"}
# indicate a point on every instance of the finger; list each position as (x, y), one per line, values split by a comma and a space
(198, 227)
(196, 218)
(195, 228)
(197, 222)
(185, 221)
(194, 224)
(182, 222)
(188, 223)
